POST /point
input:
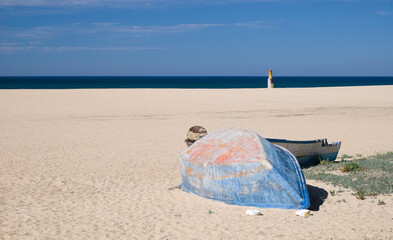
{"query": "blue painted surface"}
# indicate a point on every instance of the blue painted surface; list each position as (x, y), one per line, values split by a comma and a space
(250, 171)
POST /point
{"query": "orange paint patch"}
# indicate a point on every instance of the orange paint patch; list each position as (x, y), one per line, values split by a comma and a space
(227, 148)
(219, 153)
(193, 174)
(199, 175)
(224, 157)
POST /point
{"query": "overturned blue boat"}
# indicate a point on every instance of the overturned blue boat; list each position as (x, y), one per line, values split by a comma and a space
(237, 166)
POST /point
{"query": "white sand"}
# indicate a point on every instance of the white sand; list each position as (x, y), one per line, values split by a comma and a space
(83, 164)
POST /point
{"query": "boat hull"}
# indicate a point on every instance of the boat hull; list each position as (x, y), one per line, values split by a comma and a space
(239, 167)
(309, 153)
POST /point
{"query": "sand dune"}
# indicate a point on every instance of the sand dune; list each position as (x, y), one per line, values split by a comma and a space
(98, 164)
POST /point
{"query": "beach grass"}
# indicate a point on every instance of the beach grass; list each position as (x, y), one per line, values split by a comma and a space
(368, 176)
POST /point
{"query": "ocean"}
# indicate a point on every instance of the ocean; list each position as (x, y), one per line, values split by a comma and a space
(186, 82)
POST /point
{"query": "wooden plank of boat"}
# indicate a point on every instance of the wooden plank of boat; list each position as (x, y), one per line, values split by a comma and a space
(309, 153)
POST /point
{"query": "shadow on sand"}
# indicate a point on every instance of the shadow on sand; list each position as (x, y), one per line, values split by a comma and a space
(317, 197)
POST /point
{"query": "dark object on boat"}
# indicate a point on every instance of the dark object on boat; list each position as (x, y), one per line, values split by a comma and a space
(309, 153)
(194, 134)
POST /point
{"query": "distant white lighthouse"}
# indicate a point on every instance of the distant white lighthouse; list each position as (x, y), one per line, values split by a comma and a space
(270, 83)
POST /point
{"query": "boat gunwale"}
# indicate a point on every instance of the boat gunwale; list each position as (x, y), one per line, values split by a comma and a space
(273, 140)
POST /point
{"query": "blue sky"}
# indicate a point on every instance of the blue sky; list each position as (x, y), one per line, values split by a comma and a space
(196, 37)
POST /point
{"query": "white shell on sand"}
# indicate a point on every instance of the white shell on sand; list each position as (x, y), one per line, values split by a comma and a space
(253, 212)
(303, 212)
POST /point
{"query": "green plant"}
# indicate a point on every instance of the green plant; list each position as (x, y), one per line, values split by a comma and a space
(360, 195)
(381, 202)
(325, 162)
(352, 166)
(332, 192)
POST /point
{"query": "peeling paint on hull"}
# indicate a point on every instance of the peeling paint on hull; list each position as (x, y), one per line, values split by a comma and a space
(237, 166)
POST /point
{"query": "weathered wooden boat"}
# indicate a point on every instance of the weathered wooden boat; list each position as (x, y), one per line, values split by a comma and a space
(309, 153)
(237, 166)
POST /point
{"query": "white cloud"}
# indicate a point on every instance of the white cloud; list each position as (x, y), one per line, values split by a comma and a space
(137, 3)
(50, 32)
(131, 3)
(71, 3)
(8, 48)
(161, 29)
(384, 13)
(256, 24)
(40, 32)
(42, 38)
(177, 28)
(11, 48)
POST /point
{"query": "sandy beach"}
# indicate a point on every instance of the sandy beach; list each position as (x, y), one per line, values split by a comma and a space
(102, 164)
